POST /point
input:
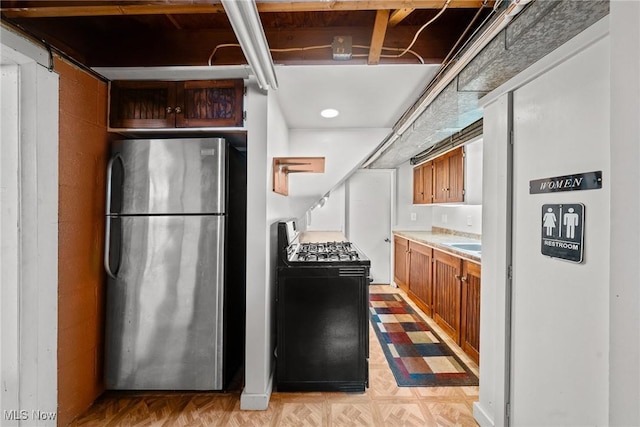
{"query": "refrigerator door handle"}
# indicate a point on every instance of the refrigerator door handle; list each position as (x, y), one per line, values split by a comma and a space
(107, 233)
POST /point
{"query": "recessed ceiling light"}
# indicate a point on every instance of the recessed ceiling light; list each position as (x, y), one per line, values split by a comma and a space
(329, 113)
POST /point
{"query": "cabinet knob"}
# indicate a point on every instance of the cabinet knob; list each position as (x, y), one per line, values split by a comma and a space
(169, 110)
(457, 276)
(178, 110)
(464, 279)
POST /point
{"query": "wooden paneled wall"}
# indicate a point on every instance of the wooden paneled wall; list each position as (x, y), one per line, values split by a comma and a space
(82, 159)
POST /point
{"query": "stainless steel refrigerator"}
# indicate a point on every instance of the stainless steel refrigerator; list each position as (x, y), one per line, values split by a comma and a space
(175, 261)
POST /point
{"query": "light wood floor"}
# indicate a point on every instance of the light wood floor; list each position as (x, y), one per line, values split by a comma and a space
(383, 404)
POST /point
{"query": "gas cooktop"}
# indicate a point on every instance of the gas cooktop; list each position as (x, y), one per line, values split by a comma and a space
(326, 252)
(336, 253)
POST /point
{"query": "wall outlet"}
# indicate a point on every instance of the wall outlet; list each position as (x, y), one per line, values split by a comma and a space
(413, 216)
(444, 218)
(469, 220)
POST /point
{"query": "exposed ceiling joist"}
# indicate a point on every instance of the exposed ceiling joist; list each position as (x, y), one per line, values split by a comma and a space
(175, 23)
(377, 38)
(175, 9)
(307, 6)
(398, 16)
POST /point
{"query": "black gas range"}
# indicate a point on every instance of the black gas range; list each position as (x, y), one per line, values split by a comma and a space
(293, 253)
(322, 301)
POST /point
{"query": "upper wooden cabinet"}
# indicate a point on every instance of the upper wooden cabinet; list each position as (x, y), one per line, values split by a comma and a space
(163, 104)
(440, 180)
(448, 177)
(423, 183)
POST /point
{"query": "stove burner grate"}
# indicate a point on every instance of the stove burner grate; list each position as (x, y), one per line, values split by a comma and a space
(326, 252)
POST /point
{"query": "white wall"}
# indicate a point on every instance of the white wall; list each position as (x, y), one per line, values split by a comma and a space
(331, 216)
(559, 308)
(268, 137)
(465, 218)
(473, 173)
(260, 208)
(343, 150)
(29, 237)
(624, 344)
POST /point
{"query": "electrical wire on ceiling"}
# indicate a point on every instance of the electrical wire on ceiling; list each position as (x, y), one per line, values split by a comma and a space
(387, 56)
(464, 33)
(328, 46)
(415, 37)
(455, 53)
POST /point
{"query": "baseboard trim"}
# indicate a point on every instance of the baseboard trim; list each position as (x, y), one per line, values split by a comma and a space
(257, 401)
(481, 416)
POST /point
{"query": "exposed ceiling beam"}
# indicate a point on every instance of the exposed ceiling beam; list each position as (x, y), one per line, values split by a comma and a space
(109, 10)
(174, 22)
(398, 15)
(176, 9)
(377, 38)
(311, 6)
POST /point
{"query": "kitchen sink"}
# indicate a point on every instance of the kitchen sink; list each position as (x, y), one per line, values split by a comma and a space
(469, 247)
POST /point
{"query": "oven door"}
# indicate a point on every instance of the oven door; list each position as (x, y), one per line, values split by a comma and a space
(322, 322)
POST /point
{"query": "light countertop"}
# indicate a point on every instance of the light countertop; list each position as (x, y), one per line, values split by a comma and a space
(437, 237)
(322, 236)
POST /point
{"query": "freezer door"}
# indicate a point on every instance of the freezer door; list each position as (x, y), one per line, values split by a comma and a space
(167, 176)
(164, 317)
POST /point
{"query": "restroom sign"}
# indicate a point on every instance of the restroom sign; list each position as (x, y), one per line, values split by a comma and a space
(563, 231)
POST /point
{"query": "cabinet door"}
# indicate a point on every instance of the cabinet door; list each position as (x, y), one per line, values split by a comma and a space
(470, 316)
(142, 104)
(418, 183)
(401, 248)
(448, 177)
(210, 103)
(440, 179)
(447, 293)
(427, 182)
(455, 192)
(420, 283)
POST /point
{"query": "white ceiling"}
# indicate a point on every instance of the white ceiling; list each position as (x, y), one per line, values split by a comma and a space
(367, 96)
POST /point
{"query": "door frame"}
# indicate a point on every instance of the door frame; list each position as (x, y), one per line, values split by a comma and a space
(29, 251)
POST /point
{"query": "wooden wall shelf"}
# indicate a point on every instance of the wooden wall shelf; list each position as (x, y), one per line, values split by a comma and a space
(283, 166)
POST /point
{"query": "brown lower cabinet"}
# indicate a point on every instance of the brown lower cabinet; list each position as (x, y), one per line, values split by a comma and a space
(447, 293)
(470, 319)
(420, 275)
(401, 261)
(444, 286)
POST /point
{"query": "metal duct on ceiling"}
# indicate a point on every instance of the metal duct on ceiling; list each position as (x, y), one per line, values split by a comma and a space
(457, 139)
(539, 29)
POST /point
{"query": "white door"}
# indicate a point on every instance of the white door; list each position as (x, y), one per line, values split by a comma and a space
(369, 195)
